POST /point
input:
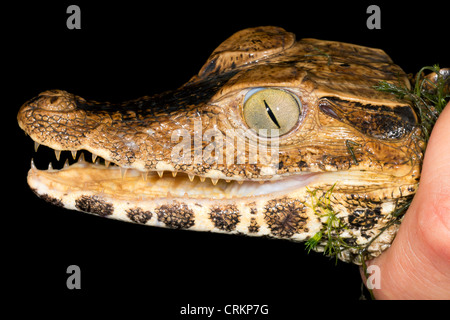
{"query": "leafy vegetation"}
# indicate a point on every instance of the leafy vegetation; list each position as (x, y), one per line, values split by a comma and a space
(428, 97)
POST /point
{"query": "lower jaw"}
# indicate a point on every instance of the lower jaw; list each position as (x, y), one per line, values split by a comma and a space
(119, 196)
(265, 212)
(134, 185)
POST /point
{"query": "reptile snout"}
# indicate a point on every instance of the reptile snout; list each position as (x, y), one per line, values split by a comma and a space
(55, 100)
(53, 118)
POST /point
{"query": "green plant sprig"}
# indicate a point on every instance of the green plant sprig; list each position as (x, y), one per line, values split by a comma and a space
(334, 226)
(429, 98)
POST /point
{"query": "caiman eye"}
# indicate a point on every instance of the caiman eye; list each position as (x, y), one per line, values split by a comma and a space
(271, 109)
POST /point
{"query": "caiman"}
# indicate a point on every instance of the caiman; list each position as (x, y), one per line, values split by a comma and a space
(273, 137)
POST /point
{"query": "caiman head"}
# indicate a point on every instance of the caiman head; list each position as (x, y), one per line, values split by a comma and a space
(273, 137)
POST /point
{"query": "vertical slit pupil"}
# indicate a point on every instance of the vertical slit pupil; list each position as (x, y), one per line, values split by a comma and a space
(271, 115)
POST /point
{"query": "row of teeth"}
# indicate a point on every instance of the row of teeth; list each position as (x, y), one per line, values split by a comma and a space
(96, 160)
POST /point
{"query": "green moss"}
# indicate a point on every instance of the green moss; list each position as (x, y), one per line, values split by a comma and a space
(428, 98)
(330, 236)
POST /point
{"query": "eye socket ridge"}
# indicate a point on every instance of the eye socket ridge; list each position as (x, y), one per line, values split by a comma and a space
(271, 110)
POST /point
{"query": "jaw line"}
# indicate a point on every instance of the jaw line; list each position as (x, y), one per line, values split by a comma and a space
(117, 182)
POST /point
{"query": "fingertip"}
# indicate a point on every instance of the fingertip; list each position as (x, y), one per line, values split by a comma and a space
(432, 201)
(417, 266)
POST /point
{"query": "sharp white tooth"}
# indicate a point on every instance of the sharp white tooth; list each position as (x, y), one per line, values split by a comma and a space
(202, 179)
(81, 158)
(191, 177)
(186, 195)
(160, 173)
(228, 181)
(57, 154)
(32, 164)
(144, 175)
(240, 181)
(214, 181)
(174, 174)
(123, 171)
(36, 146)
(66, 164)
(107, 163)
(97, 161)
(74, 154)
(94, 157)
(50, 167)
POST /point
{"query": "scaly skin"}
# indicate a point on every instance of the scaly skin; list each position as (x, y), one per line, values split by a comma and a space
(363, 144)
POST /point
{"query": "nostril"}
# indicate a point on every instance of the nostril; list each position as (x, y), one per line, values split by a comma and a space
(56, 100)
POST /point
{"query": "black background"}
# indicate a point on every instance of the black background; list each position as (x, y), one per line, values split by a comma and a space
(128, 49)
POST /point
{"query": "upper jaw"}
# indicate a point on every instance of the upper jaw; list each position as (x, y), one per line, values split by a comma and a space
(119, 182)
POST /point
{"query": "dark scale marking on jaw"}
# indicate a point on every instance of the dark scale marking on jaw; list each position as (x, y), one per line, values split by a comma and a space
(177, 216)
(138, 215)
(302, 164)
(365, 219)
(225, 218)
(53, 201)
(285, 217)
(254, 226)
(94, 204)
(46, 197)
